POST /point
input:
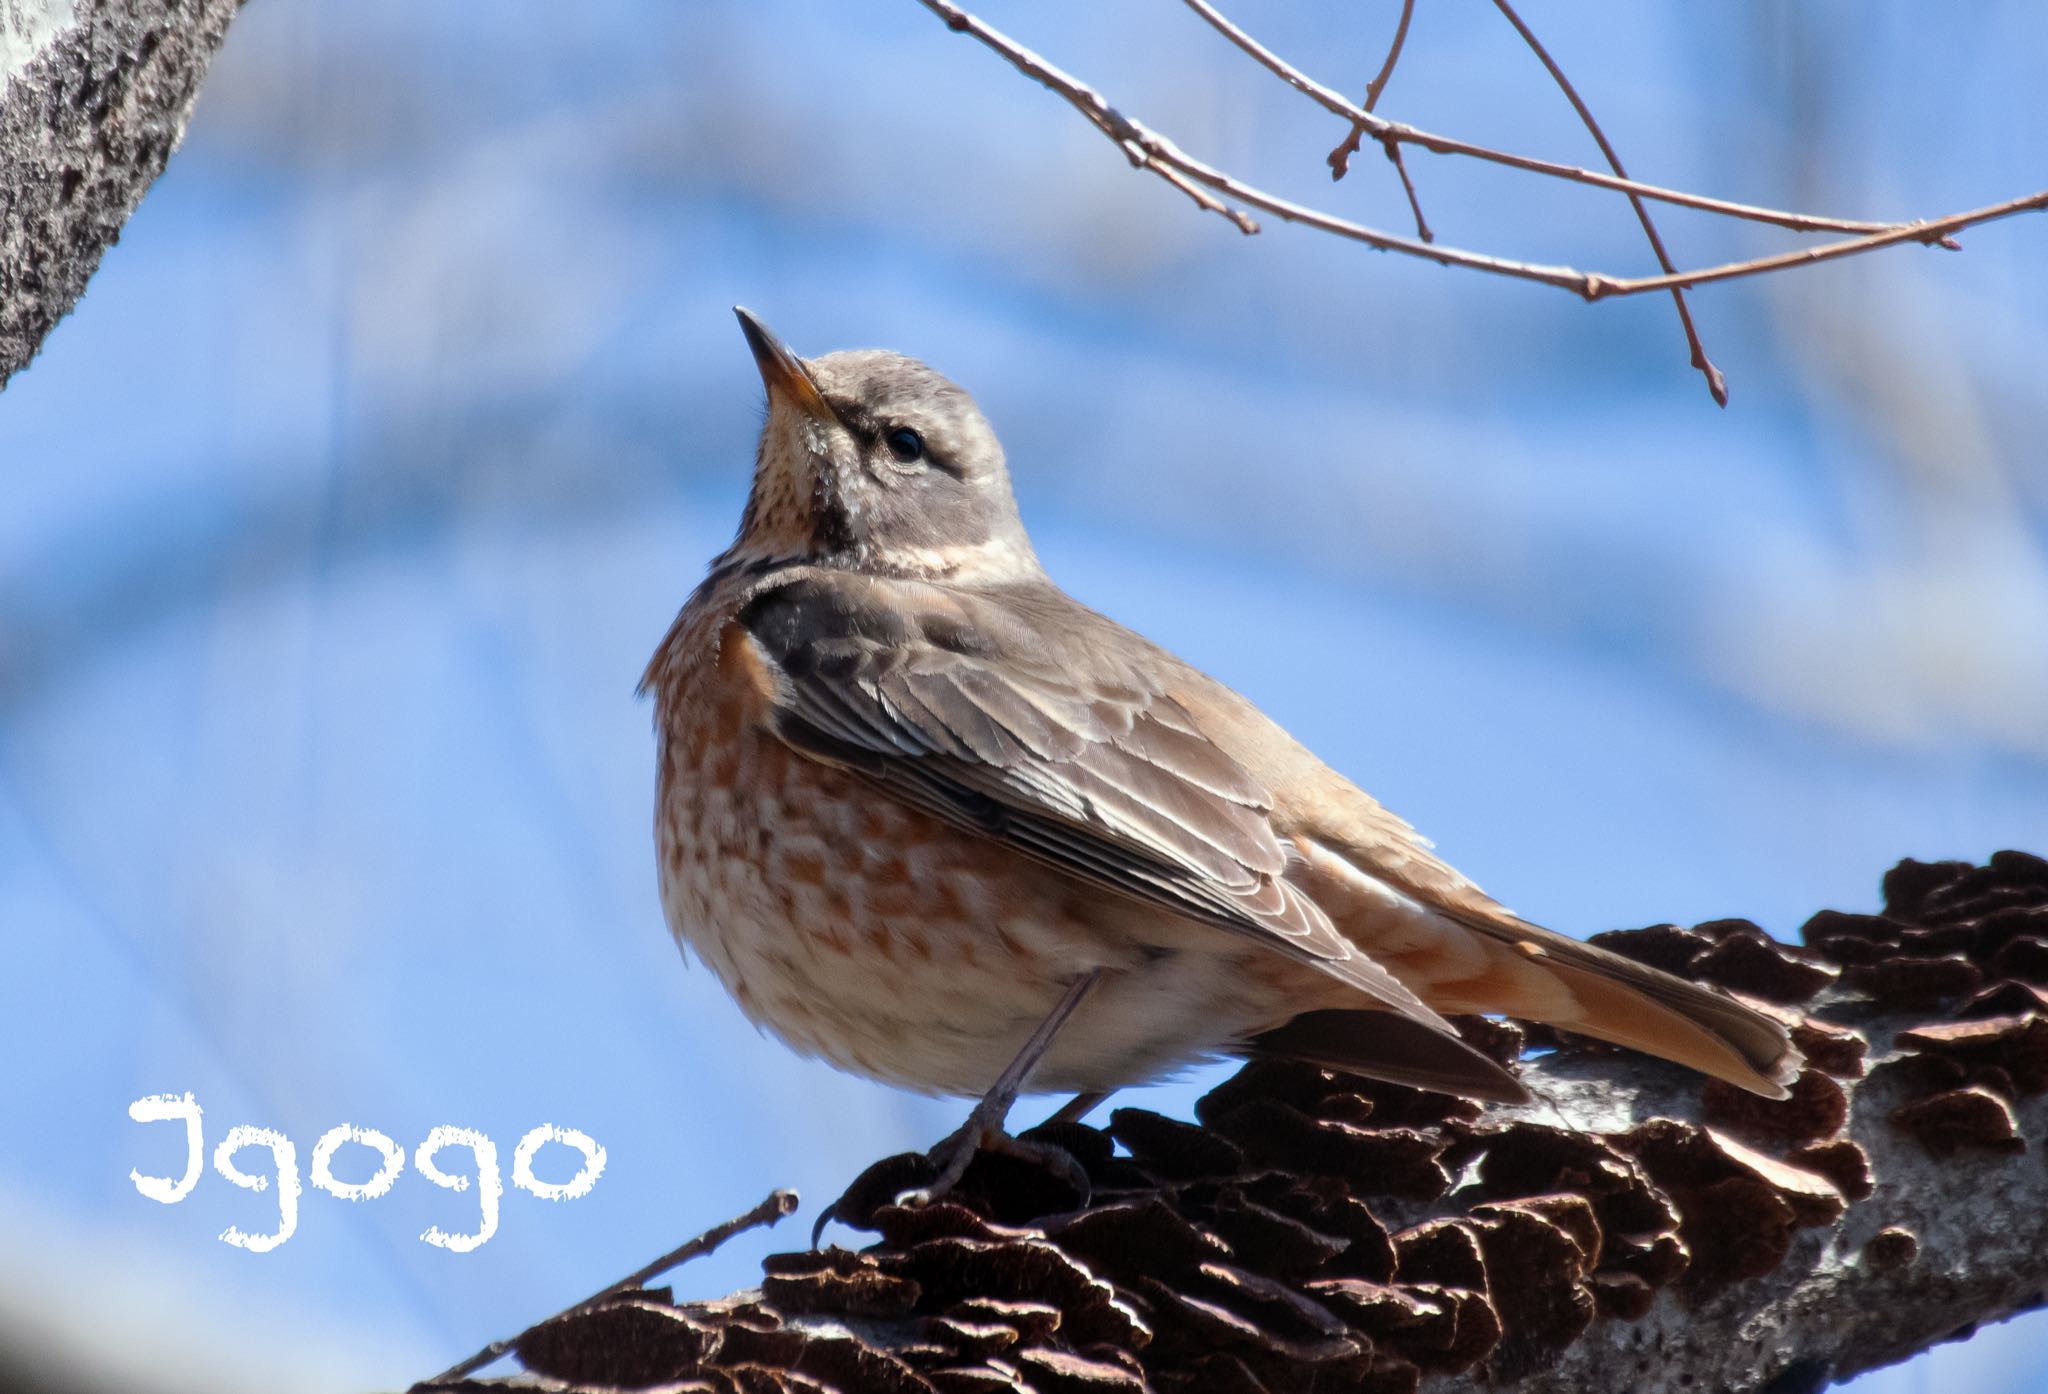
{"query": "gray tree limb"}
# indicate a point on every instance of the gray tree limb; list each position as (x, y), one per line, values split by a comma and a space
(94, 96)
(1636, 1230)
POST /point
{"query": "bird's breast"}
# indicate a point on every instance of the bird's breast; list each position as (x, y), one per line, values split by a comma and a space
(896, 945)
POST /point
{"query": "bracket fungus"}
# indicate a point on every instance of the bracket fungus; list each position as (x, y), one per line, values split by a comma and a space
(1634, 1228)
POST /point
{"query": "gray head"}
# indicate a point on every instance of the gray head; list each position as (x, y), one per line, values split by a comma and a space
(872, 461)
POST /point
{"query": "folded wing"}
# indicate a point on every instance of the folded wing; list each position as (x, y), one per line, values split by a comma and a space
(943, 699)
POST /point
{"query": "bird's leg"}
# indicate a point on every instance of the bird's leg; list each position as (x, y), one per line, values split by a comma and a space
(1077, 1108)
(984, 1126)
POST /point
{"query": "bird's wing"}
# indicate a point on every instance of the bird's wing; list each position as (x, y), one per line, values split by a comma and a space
(951, 702)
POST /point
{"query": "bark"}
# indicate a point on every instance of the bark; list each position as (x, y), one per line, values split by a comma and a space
(94, 96)
(1637, 1230)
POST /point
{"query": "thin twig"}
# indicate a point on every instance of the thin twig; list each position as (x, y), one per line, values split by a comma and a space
(1246, 224)
(1393, 149)
(1928, 230)
(1339, 159)
(1380, 79)
(1591, 285)
(778, 1204)
(1373, 90)
(1380, 128)
(1716, 384)
(1111, 123)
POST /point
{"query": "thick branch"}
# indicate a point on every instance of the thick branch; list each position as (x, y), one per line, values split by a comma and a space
(93, 99)
(1634, 1231)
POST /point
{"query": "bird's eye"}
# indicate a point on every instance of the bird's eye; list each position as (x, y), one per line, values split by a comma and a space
(905, 444)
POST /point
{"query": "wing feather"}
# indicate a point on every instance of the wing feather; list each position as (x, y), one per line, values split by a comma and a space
(945, 701)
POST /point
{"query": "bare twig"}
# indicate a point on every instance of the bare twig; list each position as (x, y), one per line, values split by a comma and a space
(1128, 135)
(1155, 151)
(1393, 149)
(1382, 129)
(1339, 159)
(778, 1204)
(1379, 82)
(1933, 231)
(1246, 224)
(1716, 383)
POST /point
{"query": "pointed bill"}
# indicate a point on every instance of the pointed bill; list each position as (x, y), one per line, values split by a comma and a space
(782, 371)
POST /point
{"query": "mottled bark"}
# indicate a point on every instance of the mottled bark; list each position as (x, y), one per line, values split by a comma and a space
(1637, 1230)
(94, 96)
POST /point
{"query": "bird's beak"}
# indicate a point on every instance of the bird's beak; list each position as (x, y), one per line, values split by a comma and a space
(783, 372)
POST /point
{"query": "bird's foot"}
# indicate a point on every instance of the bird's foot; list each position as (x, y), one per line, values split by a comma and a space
(957, 1153)
(983, 1130)
(933, 1176)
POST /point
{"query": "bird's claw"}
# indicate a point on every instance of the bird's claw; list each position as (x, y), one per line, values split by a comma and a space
(946, 1166)
(825, 1217)
(960, 1150)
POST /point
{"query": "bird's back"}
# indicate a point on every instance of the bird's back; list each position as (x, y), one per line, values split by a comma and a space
(1385, 890)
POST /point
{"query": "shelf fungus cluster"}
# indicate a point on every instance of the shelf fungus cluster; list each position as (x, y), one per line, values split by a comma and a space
(1633, 1229)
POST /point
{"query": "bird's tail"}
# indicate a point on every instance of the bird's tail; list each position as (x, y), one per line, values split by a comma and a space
(1626, 1003)
(1459, 951)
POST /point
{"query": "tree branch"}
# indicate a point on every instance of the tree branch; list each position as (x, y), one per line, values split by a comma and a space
(772, 1209)
(1379, 128)
(1151, 150)
(1635, 1230)
(90, 109)
(1339, 160)
(1716, 383)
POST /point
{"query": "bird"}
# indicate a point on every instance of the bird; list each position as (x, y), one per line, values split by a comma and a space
(930, 818)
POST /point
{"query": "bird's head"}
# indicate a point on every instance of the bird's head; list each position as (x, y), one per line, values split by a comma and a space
(872, 461)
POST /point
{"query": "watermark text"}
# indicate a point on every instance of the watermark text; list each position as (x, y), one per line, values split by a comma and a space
(281, 1169)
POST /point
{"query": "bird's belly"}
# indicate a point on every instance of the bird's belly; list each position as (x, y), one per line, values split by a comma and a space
(894, 945)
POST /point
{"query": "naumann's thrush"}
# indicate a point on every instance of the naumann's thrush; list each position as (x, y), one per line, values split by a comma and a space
(931, 818)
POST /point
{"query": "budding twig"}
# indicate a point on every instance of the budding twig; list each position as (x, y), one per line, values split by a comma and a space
(1224, 194)
(1379, 128)
(1339, 159)
(1379, 82)
(1716, 384)
(778, 1204)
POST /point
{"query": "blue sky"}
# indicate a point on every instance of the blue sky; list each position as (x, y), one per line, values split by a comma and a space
(346, 509)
